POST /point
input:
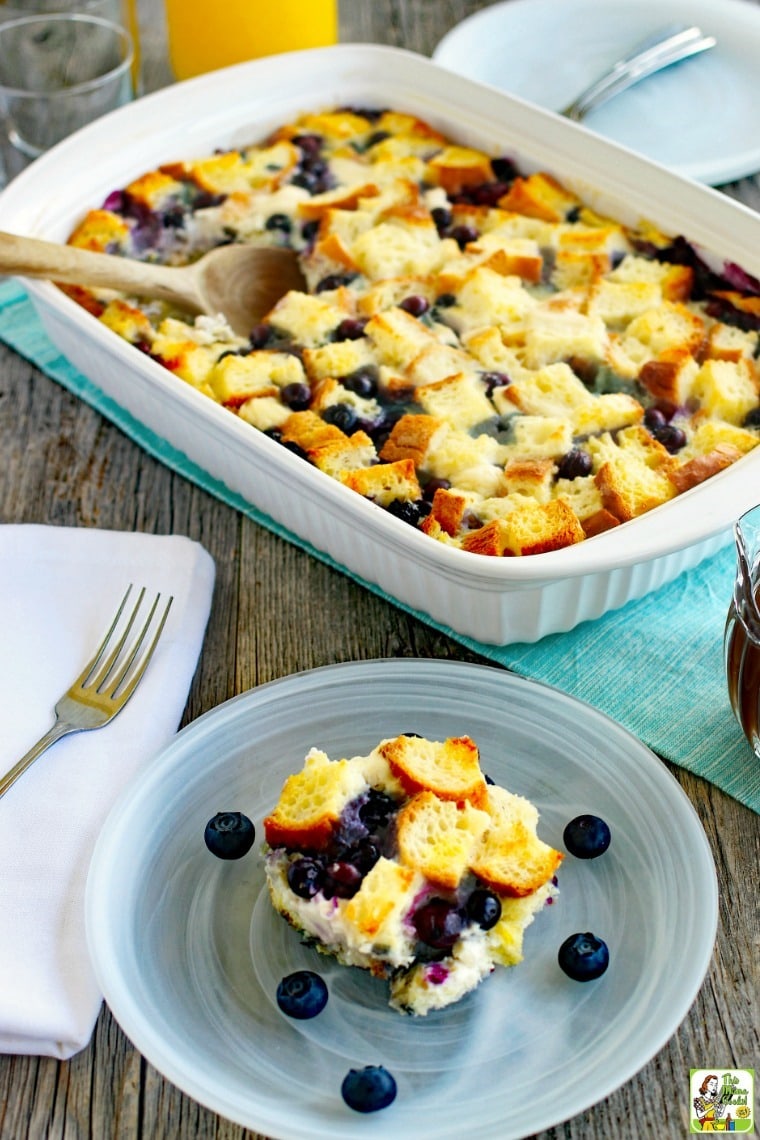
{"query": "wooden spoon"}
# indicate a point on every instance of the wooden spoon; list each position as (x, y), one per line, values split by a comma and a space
(242, 282)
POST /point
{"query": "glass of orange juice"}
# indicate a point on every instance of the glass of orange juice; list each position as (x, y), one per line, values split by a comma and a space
(203, 36)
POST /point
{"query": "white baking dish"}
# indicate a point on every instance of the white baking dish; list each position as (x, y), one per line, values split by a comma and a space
(495, 600)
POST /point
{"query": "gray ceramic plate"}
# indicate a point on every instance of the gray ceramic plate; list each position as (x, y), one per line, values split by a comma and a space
(188, 952)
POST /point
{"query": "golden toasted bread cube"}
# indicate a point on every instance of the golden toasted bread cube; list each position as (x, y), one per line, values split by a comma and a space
(701, 467)
(311, 802)
(379, 908)
(384, 482)
(309, 320)
(448, 768)
(437, 837)
(456, 167)
(98, 230)
(539, 196)
(459, 400)
(511, 858)
(338, 456)
(236, 378)
(411, 438)
(727, 389)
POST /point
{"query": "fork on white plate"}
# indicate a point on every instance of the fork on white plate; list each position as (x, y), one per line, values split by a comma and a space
(667, 46)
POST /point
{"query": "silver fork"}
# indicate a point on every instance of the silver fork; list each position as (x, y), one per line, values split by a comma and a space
(669, 45)
(105, 684)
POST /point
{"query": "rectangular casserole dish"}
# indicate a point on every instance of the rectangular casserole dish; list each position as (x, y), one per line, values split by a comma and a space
(494, 600)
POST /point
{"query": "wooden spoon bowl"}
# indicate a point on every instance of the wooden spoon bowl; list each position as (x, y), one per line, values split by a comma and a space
(240, 282)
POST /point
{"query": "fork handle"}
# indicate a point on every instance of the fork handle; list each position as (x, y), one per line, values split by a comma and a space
(629, 71)
(59, 729)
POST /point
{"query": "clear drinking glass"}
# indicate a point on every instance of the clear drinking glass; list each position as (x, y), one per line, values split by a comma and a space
(58, 72)
(742, 633)
(122, 12)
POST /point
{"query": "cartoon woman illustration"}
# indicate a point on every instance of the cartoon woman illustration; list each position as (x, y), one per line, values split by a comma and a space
(709, 1108)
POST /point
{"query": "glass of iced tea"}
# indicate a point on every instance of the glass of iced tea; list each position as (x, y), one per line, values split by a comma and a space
(742, 633)
(204, 36)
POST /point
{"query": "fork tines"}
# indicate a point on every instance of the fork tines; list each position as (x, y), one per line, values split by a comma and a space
(116, 667)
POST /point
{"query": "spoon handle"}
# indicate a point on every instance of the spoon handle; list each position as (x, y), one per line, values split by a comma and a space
(31, 257)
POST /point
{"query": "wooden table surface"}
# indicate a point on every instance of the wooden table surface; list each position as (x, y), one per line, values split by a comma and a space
(277, 611)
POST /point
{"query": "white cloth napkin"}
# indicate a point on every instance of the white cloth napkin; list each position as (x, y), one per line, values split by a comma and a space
(59, 589)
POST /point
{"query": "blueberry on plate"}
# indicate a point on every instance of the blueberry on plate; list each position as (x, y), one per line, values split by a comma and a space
(583, 957)
(586, 836)
(302, 995)
(368, 1089)
(229, 835)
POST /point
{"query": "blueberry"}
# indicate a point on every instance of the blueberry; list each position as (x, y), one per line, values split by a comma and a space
(406, 511)
(278, 222)
(415, 305)
(115, 202)
(363, 856)
(376, 137)
(368, 1089)
(343, 879)
(583, 957)
(173, 217)
(377, 809)
(296, 395)
(309, 230)
(342, 416)
(308, 144)
(438, 923)
(445, 301)
(333, 281)
(489, 193)
(484, 908)
(229, 835)
(307, 181)
(434, 485)
(574, 464)
(752, 419)
(302, 995)
(463, 235)
(295, 448)
(442, 218)
(671, 437)
(504, 169)
(654, 418)
(350, 328)
(260, 336)
(362, 381)
(306, 877)
(494, 380)
(587, 836)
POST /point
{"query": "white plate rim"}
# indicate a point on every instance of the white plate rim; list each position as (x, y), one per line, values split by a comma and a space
(109, 851)
(488, 24)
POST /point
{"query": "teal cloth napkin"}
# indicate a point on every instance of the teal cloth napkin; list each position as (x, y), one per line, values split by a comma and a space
(656, 666)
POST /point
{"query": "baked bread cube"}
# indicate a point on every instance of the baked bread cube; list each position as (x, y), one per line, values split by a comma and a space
(385, 482)
(539, 196)
(531, 528)
(635, 476)
(727, 389)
